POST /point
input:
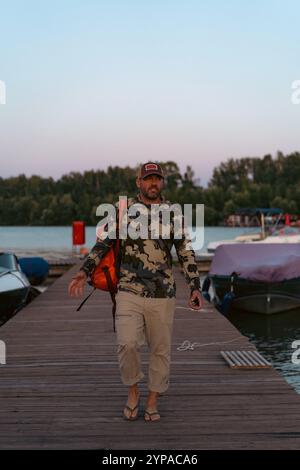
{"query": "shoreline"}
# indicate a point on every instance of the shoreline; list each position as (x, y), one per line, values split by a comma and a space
(49, 255)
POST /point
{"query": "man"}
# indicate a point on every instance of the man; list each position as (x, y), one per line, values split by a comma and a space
(146, 297)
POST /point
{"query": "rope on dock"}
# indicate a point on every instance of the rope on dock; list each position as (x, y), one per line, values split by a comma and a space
(189, 346)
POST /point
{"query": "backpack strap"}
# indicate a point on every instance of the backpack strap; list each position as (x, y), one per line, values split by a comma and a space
(112, 292)
(113, 298)
(83, 302)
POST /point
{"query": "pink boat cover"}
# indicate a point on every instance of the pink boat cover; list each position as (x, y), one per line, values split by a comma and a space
(258, 261)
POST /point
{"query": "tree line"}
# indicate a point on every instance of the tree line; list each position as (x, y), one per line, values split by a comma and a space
(237, 183)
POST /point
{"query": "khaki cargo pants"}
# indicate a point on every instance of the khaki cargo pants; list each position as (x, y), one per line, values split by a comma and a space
(139, 319)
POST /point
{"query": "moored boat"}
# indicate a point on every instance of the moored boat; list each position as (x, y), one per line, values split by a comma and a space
(259, 278)
(14, 286)
(271, 230)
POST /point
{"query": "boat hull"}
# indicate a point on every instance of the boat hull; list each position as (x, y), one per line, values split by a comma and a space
(12, 301)
(258, 297)
(14, 287)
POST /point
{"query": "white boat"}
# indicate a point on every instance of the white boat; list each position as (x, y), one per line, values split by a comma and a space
(14, 286)
(276, 234)
(245, 238)
(284, 235)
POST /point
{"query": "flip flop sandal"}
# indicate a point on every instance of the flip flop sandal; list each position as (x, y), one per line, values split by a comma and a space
(151, 414)
(131, 418)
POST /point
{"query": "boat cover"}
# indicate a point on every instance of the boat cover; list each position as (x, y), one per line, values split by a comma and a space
(258, 262)
(34, 266)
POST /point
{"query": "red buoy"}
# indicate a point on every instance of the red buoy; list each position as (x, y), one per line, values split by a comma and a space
(78, 232)
(287, 220)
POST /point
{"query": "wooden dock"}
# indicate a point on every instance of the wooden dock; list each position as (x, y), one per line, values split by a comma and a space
(60, 387)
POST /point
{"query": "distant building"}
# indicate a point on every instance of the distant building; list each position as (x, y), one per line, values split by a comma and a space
(252, 217)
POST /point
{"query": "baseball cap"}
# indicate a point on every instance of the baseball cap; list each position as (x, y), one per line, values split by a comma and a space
(150, 168)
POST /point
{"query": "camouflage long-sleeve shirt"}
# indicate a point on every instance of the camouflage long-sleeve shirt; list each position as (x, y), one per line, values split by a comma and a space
(146, 264)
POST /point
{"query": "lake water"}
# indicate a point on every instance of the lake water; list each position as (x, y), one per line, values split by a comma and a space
(272, 335)
(60, 238)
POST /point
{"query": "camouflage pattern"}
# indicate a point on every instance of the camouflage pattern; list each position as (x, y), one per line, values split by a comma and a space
(146, 264)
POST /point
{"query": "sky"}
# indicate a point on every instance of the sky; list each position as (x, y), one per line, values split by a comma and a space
(119, 82)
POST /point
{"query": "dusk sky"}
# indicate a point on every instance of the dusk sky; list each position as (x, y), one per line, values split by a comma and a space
(97, 83)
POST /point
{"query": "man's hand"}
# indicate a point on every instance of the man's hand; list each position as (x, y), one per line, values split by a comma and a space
(76, 286)
(196, 301)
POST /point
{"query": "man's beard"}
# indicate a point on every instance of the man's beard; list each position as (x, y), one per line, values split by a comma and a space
(149, 194)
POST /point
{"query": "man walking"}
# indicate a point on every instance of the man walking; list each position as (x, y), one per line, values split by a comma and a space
(146, 296)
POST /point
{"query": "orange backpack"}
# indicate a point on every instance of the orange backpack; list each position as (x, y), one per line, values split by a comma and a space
(106, 275)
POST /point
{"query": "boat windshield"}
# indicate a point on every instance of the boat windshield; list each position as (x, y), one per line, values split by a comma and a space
(8, 261)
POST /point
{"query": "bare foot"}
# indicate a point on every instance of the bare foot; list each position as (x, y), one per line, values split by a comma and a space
(132, 406)
(151, 413)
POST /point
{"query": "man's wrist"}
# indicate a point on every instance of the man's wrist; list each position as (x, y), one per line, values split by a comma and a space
(84, 271)
(195, 285)
(196, 289)
(88, 266)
